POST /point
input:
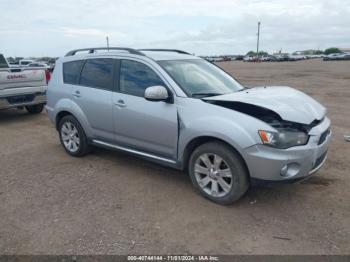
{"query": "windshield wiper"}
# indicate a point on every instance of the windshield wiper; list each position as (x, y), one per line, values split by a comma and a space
(206, 94)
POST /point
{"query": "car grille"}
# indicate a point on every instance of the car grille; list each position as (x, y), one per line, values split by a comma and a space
(324, 136)
(320, 160)
(20, 99)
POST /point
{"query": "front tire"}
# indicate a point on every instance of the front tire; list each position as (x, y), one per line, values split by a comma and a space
(218, 173)
(72, 136)
(35, 109)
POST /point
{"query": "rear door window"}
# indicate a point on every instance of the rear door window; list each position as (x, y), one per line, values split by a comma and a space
(71, 71)
(98, 73)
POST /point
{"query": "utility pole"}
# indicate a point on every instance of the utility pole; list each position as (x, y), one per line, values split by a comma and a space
(257, 44)
(107, 43)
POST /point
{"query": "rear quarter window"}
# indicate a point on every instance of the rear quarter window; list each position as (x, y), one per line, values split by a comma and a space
(71, 71)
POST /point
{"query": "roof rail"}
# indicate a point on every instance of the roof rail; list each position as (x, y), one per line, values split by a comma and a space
(92, 50)
(166, 50)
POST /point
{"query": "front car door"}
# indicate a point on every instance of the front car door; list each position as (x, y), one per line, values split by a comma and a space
(140, 124)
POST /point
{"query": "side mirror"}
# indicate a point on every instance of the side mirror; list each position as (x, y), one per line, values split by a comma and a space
(156, 93)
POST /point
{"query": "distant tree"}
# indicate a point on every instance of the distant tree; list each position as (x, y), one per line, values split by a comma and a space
(44, 59)
(318, 52)
(309, 52)
(11, 60)
(18, 58)
(251, 53)
(261, 53)
(332, 50)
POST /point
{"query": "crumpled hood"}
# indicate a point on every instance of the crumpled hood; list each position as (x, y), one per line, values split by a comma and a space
(290, 104)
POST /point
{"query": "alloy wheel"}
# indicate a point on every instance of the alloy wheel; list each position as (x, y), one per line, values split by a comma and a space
(70, 137)
(213, 175)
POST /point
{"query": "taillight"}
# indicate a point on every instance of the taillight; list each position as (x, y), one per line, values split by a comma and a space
(48, 76)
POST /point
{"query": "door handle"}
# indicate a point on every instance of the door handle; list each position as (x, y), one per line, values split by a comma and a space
(120, 103)
(76, 93)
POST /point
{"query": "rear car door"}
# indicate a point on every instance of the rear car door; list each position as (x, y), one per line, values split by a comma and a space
(144, 125)
(93, 94)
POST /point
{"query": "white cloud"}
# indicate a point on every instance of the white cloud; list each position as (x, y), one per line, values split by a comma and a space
(68, 31)
(42, 27)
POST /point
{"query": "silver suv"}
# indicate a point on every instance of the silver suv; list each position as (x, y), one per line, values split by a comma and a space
(181, 111)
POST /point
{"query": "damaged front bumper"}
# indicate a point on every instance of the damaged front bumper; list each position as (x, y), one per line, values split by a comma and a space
(293, 164)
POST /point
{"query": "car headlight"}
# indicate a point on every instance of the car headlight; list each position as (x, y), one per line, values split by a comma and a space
(283, 138)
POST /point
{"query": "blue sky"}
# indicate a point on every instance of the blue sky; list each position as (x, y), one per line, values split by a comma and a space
(46, 27)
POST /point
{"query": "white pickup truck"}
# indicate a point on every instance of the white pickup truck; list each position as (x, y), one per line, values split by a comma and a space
(22, 87)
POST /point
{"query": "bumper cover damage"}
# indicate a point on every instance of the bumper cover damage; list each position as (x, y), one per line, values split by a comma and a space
(282, 108)
(292, 164)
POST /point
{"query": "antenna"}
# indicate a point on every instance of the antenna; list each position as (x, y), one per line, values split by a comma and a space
(107, 39)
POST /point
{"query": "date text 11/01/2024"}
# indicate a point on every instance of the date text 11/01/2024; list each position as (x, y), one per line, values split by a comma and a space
(173, 258)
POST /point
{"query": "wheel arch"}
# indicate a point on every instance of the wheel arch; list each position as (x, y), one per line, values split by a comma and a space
(60, 115)
(68, 107)
(197, 141)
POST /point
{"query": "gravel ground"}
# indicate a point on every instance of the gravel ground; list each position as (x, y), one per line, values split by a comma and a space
(112, 203)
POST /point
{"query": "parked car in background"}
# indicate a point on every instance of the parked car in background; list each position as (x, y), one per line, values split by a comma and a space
(39, 64)
(314, 56)
(239, 58)
(336, 56)
(248, 58)
(22, 87)
(265, 58)
(346, 56)
(218, 59)
(182, 111)
(25, 62)
(296, 57)
(279, 58)
(226, 58)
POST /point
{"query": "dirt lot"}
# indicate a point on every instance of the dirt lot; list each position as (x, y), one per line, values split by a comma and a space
(112, 203)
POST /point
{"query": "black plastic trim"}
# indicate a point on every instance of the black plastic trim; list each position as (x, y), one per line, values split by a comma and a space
(92, 50)
(165, 50)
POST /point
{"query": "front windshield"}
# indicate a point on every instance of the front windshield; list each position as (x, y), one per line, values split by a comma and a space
(199, 78)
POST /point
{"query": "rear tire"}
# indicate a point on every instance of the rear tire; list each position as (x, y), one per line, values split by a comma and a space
(35, 109)
(218, 173)
(72, 136)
